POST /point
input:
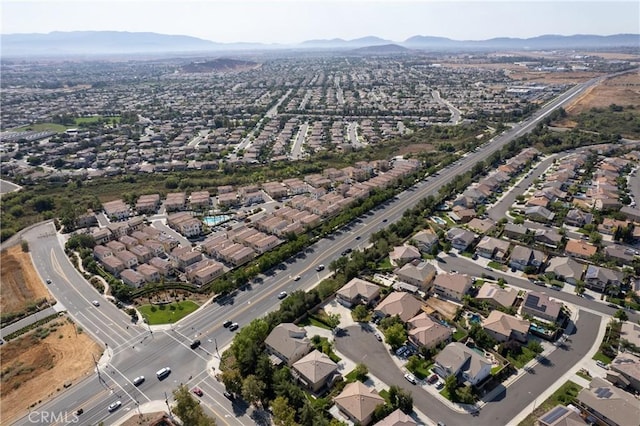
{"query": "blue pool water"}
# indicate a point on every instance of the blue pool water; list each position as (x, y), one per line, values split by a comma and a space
(438, 220)
(474, 318)
(216, 220)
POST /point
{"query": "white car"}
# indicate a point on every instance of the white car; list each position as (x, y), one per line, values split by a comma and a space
(95, 303)
(410, 378)
(138, 380)
(113, 407)
(602, 365)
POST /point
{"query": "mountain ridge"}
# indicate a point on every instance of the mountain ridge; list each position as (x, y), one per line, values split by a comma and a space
(60, 43)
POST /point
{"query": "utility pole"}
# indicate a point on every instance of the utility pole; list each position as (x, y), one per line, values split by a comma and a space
(166, 400)
(216, 342)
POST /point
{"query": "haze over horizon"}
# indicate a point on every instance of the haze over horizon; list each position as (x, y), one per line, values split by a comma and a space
(290, 22)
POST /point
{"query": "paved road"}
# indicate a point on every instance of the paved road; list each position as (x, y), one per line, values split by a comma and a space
(6, 186)
(359, 345)
(112, 327)
(24, 322)
(455, 112)
(296, 149)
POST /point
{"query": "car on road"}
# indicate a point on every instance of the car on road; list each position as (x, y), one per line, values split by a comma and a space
(48, 281)
(441, 424)
(346, 251)
(358, 237)
(228, 395)
(296, 278)
(378, 337)
(95, 303)
(613, 305)
(282, 295)
(410, 378)
(138, 381)
(114, 406)
(385, 220)
(320, 267)
(227, 323)
(163, 372)
(195, 344)
(197, 391)
(234, 326)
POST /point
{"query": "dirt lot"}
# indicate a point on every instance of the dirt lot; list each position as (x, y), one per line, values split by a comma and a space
(20, 285)
(623, 90)
(34, 369)
(415, 148)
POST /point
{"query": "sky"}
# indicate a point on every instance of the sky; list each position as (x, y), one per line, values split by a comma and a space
(294, 21)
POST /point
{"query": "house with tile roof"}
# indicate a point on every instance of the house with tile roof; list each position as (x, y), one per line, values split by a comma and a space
(425, 331)
(452, 286)
(288, 343)
(358, 402)
(358, 291)
(539, 305)
(497, 296)
(458, 360)
(315, 370)
(405, 305)
(504, 327)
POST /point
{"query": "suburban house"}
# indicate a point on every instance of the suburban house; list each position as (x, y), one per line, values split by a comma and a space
(608, 404)
(185, 223)
(460, 238)
(630, 332)
(599, 278)
(492, 248)
(577, 218)
(150, 273)
(113, 265)
(539, 214)
(458, 360)
(504, 327)
(417, 273)
(627, 365)
(358, 291)
(620, 254)
(116, 209)
(565, 269)
(403, 254)
(397, 418)
(496, 295)
(287, 343)
(398, 303)
(515, 231)
(522, 257)
(452, 286)
(425, 241)
(579, 249)
(358, 403)
(132, 278)
(561, 415)
(425, 331)
(539, 305)
(548, 237)
(315, 370)
(481, 225)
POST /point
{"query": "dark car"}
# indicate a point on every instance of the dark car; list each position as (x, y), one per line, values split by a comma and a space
(197, 391)
(195, 344)
(227, 323)
(228, 395)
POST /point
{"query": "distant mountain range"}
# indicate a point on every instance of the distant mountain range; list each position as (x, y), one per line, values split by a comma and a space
(116, 42)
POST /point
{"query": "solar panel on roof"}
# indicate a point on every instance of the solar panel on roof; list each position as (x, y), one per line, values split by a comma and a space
(554, 415)
(604, 393)
(532, 301)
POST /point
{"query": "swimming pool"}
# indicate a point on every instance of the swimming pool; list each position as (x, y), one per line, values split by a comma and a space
(438, 220)
(474, 318)
(216, 220)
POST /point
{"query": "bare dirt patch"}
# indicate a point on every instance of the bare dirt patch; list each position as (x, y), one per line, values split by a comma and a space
(20, 284)
(623, 90)
(35, 369)
(415, 148)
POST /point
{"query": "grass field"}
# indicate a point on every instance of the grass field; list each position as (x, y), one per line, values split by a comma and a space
(167, 314)
(90, 120)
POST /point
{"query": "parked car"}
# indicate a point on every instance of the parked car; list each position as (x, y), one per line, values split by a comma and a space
(114, 406)
(433, 379)
(197, 391)
(378, 337)
(401, 351)
(602, 364)
(439, 384)
(410, 378)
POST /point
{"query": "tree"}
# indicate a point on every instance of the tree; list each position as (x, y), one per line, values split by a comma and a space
(333, 320)
(359, 313)
(189, 410)
(400, 398)
(395, 336)
(361, 371)
(621, 315)
(451, 385)
(253, 389)
(283, 413)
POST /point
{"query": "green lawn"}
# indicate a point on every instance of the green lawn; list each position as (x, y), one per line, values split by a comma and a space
(385, 264)
(459, 335)
(599, 356)
(563, 396)
(523, 358)
(167, 314)
(90, 120)
(496, 265)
